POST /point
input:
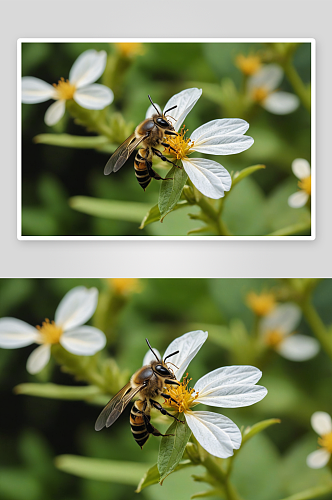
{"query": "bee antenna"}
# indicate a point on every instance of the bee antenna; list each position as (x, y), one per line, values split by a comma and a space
(146, 340)
(170, 109)
(173, 353)
(158, 114)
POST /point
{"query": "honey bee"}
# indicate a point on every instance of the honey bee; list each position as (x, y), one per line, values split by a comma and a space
(148, 382)
(149, 134)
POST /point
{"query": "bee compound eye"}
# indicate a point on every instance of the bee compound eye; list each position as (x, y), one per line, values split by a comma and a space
(161, 370)
(162, 122)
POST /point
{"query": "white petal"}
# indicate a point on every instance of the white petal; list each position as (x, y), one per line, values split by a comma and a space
(281, 103)
(321, 422)
(301, 168)
(283, 318)
(35, 90)
(149, 357)
(269, 77)
(188, 346)
(39, 358)
(88, 67)
(298, 199)
(15, 333)
(228, 375)
(94, 96)
(55, 112)
(184, 101)
(222, 145)
(76, 307)
(83, 341)
(298, 347)
(152, 111)
(233, 396)
(223, 126)
(318, 459)
(216, 433)
(208, 176)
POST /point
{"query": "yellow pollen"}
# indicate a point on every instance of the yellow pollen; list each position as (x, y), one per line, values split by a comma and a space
(50, 332)
(261, 304)
(248, 64)
(305, 184)
(65, 89)
(273, 338)
(181, 146)
(183, 396)
(326, 441)
(259, 94)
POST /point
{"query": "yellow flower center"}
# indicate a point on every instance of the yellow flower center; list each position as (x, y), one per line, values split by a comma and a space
(124, 286)
(130, 49)
(248, 64)
(273, 337)
(50, 332)
(183, 396)
(259, 94)
(65, 90)
(305, 184)
(261, 304)
(181, 146)
(326, 441)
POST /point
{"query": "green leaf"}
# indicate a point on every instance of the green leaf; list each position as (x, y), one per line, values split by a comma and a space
(301, 227)
(153, 215)
(208, 493)
(245, 172)
(172, 447)
(152, 475)
(112, 471)
(55, 391)
(73, 141)
(319, 491)
(259, 427)
(170, 190)
(110, 209)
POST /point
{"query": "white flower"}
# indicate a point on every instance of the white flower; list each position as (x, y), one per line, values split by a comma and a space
(87, 68)
(261, 89)
(277, 329)
(227, 387)
(301, 169)
(217, 137)
(322, 424)
(67, 329)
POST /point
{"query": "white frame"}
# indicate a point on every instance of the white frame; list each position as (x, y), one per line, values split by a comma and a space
(312, 41)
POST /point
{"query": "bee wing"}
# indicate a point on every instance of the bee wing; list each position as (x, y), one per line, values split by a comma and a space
(115, 406)
(121, 155)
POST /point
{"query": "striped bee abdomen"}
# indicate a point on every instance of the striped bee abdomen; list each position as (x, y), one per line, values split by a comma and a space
(138, 425)
(141, 171)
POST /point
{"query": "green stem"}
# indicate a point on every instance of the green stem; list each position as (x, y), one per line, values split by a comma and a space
(317, 325)
(300, 89)
(212, 214)
(93, 119)
(220, 477)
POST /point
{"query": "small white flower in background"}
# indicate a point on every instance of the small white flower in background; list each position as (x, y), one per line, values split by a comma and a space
(322, 424)
(87, 68)
(277, 331)
(262, 89)
(67, 329)
(227, 387)
(301, 169)
(217, 137)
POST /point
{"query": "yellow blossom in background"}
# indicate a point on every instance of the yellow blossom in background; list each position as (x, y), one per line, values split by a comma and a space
(261, 304)
(248, 64)
(130, 49)
(124, 286)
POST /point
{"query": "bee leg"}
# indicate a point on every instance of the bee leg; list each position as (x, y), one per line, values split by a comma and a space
(167, 146)
(170, 132)
(162, 157)
(154, 174)
(172, 382)
(149, 427)
(162, 410)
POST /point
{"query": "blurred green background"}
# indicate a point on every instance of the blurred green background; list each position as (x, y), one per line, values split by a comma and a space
(51, 175)
(34, 431)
